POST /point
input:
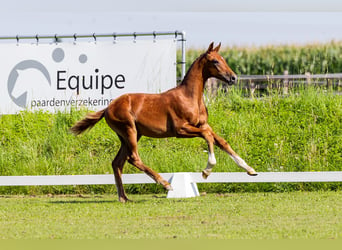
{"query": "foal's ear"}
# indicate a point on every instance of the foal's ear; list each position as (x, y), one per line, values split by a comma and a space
(217, 47)
(211, 46)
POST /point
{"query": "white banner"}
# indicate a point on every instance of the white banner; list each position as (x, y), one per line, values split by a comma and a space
(82, 74)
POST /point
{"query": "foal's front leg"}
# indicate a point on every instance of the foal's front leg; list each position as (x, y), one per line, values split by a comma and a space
(221, 143)
(205, 132)
(208, 134)
(211, 156)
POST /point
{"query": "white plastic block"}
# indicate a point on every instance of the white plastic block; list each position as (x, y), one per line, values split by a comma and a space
(183, 186)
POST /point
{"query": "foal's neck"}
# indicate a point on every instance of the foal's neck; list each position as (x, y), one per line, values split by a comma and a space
(194, 80)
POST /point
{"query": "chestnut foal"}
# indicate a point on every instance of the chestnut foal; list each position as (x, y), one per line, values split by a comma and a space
(179, 112)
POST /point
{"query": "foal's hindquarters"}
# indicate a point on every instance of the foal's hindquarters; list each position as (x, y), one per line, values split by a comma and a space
(121, 116)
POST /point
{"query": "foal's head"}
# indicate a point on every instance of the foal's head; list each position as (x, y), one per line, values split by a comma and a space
(217, 67)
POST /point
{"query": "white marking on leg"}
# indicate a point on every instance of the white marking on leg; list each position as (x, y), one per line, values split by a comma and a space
(242, 164)
(211, 163)
(211, 159)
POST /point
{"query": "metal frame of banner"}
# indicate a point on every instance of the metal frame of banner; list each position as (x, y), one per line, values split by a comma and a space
(179, 36)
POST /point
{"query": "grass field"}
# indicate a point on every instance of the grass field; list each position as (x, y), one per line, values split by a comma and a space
(293, 215)
(298, 132)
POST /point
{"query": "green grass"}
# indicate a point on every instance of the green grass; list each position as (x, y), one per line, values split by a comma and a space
(293, 215)
(298, 132)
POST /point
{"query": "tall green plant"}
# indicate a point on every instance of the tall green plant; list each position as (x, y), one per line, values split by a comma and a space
(317, 58)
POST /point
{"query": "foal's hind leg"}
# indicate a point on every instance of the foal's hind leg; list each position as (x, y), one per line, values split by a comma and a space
(117, 166)
(134, 159)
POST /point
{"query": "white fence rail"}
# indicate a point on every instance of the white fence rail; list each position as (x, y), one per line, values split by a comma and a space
(184, 184)
(223, 177)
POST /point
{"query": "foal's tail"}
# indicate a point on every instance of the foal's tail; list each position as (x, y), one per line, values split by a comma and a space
(88, 122)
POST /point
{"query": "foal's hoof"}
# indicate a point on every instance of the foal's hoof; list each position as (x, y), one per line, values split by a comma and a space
(205, 174)
(168, 187)
(252, 173)
(124, 200)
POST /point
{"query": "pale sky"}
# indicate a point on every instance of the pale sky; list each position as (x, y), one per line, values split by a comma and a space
(243, 22)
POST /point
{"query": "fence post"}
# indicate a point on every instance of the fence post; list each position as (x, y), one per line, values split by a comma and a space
(252, 87)
(308, 78)
(286, 83)
(183, 186)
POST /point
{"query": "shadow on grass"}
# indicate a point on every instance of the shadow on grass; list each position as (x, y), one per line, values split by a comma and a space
(91, 200)
(82, 201)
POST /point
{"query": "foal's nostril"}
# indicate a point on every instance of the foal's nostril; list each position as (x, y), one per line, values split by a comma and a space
(233, 78)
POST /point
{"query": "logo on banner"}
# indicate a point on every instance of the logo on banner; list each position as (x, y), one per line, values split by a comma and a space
(20, 85)
(14, 75)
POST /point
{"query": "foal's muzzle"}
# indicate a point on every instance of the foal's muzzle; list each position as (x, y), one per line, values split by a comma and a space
(233, 79)
(230, 79)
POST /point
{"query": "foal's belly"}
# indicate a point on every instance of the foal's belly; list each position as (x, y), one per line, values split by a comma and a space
(155, 129)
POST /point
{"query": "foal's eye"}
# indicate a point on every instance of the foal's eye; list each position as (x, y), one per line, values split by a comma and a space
(215, 61)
